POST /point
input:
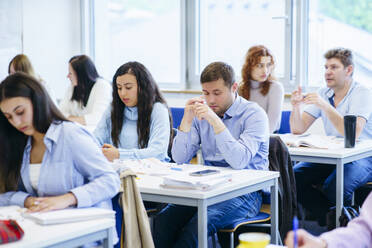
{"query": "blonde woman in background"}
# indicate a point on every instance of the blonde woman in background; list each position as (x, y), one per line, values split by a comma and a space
(21, 63)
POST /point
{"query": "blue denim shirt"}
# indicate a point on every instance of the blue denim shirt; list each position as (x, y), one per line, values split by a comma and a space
(72, 162)
(358, 101)
(243, 144)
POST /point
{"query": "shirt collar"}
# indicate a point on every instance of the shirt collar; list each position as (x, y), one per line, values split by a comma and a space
(330, 93)
(131, 113)
(232, 110)
(50, 137)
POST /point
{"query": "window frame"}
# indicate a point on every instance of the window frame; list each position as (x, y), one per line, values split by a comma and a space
(296, 39)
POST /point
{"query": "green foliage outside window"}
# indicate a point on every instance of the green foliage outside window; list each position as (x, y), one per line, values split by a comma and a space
(357, 13)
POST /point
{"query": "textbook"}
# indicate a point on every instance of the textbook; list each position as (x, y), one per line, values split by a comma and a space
(312, 141)
(69, 215)
(185, 181)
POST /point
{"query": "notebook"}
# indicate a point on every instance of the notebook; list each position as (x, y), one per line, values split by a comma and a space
(69, 215)
(312, 141)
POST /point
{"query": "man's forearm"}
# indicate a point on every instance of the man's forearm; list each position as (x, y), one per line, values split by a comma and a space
(185, 125)
(296, 122)
(336, 119)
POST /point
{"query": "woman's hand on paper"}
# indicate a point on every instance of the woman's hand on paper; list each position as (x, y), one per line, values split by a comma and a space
(110, 152)
(44, 204)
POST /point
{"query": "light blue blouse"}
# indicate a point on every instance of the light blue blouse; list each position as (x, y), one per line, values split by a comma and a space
(72, 162)
(128, 148)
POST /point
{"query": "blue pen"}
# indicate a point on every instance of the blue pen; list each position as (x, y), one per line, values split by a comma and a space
(295, 227)
(176, 168)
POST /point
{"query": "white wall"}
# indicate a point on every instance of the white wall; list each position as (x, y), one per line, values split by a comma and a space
(51, 36)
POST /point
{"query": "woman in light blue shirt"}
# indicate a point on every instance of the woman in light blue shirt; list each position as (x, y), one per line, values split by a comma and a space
(137, 125)
(46, 161)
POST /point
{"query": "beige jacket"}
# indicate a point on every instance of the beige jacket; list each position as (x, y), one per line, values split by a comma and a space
(136, 231)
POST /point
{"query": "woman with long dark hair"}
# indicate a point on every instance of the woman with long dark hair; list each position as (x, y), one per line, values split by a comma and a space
(259, 85)
(88, 95)
(138, 123)
(46, 161)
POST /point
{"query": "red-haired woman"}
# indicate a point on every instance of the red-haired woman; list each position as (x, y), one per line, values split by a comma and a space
(259, 85)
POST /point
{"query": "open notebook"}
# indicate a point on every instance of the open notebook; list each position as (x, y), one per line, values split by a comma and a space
(312, 141)
(69, 215)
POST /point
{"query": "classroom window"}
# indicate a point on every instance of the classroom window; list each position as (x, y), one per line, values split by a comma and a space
(229, 28)
(11, 33)
(345, 24)
(139, 30)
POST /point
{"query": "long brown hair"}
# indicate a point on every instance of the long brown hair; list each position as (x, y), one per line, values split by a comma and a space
(13, 142)
(87, 76)
(253, 57)
(148, 94)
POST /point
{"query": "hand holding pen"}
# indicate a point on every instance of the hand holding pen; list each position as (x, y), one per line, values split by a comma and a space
(303, 239)
(295, 228)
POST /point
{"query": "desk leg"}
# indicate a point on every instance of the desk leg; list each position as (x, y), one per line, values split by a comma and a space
(107, 242)
(202, 224)
(274, 212)
(339, 189)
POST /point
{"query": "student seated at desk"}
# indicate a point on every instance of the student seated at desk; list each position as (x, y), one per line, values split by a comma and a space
(259, 84)
(232, 132)
(341, 96)
(88, 96)
(137, 125)
(46, 161)
(357, 234)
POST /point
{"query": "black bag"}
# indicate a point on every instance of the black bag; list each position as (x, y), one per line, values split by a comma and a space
(347, 214)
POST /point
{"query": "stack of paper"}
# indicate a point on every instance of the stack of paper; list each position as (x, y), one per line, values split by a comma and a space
(69, 215)
(185, 181)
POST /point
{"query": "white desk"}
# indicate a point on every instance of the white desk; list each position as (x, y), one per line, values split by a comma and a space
(339, 157)
(65, 235)
(243, 182)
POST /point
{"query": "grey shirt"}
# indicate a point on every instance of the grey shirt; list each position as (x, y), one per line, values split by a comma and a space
(272, 103)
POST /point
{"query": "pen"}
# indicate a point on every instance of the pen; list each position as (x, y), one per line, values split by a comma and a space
(295, 227)
(176, 168)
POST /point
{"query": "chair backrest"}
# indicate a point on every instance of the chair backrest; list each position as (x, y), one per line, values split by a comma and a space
(284, 123)
(280, 160)
(177, 114)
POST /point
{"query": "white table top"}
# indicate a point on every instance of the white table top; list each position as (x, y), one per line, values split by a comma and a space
(240, 178)
(43, 236)
(360, 147)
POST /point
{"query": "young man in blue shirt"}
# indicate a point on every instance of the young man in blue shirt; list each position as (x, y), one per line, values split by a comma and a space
(231, 132)
(342, 96)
